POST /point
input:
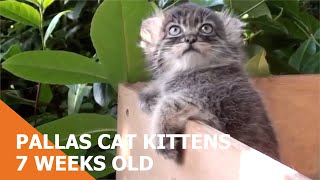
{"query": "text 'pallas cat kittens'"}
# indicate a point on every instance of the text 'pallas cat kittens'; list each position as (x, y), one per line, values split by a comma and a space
(195, 56)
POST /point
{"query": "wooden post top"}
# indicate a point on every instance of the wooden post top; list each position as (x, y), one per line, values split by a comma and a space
(292, 103)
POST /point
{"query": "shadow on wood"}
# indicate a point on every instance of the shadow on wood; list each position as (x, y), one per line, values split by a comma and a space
(293, 105)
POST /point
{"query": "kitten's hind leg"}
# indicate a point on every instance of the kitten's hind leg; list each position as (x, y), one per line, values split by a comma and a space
(170, 117)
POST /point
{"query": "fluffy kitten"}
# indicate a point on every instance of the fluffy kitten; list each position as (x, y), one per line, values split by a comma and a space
(195, 56)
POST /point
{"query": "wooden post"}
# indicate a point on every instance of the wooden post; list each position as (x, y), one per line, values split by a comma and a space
(293, 104)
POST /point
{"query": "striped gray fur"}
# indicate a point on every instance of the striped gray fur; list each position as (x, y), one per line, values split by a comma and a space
(196, 58)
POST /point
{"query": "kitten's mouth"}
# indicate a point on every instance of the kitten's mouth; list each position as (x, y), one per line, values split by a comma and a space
(190, 49)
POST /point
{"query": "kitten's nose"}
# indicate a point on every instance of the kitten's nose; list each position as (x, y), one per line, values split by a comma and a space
(190, 39)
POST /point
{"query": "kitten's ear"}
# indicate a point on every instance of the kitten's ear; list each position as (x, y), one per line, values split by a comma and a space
(151, 32)
(233, 26)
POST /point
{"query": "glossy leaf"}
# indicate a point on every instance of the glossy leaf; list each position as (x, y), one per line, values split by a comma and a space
(76, 11)
(53, 24)
(45, 95)
(20, 12)
(317, 34)
(35, 2)
(165, 3)
(289, 6)
(108, 161)
(304, 52)
(312, 65)
(13, 50)
(116, 40)
(208, 3)
(102, 93)
(258, 65)
(13, 97)
(278, 61)
(76, 94)
(254, 8)
(293, 30)
(309, 21)
(79, 124)
(55, 67)
(46, 3)
(267, 24)
(297, 15)
(41, 119)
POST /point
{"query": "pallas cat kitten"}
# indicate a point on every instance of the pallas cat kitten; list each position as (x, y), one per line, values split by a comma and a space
(195, 56)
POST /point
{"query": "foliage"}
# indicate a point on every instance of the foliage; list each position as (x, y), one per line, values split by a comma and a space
(285, 30)
(50, 66)
(79, 51)
(79, 124)
(116, 41)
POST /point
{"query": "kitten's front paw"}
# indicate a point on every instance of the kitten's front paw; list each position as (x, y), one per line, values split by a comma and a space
(147, 102)
(174, 154)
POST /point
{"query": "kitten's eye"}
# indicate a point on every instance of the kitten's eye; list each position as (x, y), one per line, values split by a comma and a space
(206, 29)
(174, 30)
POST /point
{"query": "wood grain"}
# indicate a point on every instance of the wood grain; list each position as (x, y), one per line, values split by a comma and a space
(293, 105)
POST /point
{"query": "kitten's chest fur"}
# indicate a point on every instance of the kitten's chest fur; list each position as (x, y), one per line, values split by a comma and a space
(206, 76)
(226, 93)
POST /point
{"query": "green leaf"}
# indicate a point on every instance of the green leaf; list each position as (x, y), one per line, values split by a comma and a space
(55, 67)
(103, 93)
(254, 8)
(293, 31)
(278, 61)
(299, 17)
(116, 40)
(20, 12)
(79, 124)
(13, 50)
(13, 97)
(208, 3)
(41, 119)
(165, 3)
(309, 21)
(75, 96)
(312, 65)
(267, 24)
(53, 24)
(47, 3)
(304, 52)
(45, 95)
(317, 34)
(289, 6)
(258, 65)
(76, 11)
(108, 161)
(35, 2)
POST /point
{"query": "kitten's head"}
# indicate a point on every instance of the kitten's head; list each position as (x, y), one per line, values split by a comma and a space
(189, 36)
